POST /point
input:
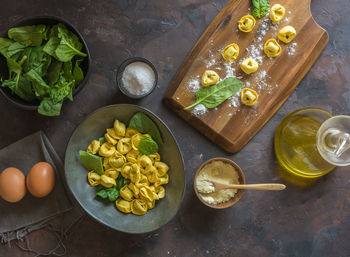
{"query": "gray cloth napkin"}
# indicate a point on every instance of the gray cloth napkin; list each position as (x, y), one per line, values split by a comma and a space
(55, 210)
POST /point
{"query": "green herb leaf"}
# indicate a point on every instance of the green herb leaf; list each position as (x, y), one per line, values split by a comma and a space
(39, 85)
(4, 45)
(53, 74)
(60, 91)
(78, 73)
(91, 162)
(102, 140)
(215, 95)
(148, 145)
(36, 60)
(49, 107)
(28, 35)
(144, 124)
(260, 8)
(69, 45)
(111, 194)
(51, 46)
(15, 48)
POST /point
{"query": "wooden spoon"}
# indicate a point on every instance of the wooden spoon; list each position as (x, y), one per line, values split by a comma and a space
(272, 186)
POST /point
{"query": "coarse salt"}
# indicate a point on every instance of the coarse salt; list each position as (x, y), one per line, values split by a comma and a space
(138, 78)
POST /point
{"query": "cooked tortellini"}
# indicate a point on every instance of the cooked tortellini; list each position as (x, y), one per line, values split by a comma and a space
(230, 52)
(249, 96)
(249, 65)
(246, 23)
(94, 147)
(287, 34)
(209, 78)
(139, 178)
(93, 178)
(272, 48)
(277, 12)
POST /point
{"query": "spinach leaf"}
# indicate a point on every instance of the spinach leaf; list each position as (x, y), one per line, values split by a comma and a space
(39, 85)
(28, 35)
(60, 91)
(215, 95)
(53, 74)
(36, 60)
(102, 140)
(91, 162)
(14, 49)
(51, 46)
(4, 45)
(69, 45)
(111, 194)
(121, 181)
(21, 87)
(144, 124)
(147, 145)
(68, 71)
(260, 8)
(78, 72)
(48, 107)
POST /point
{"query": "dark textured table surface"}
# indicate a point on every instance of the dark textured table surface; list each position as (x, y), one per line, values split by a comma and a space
(300, 221)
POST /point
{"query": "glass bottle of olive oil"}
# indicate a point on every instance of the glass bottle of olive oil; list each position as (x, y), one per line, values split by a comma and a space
(295, 143)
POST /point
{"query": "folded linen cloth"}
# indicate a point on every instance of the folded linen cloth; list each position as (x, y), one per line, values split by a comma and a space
(55, 211)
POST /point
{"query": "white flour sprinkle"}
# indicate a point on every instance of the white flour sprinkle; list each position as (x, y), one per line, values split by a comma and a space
(194, 84)
(292, 48)
(199, 109)
(263, 28)
(289, 12)
(230, 72)
(255, 52)
(235, 99)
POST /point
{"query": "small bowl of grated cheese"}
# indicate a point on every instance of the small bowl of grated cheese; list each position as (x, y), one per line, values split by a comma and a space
(137, 77)
(223, 171)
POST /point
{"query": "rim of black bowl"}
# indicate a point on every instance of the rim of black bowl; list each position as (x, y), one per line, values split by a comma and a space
(32, 20)
(121, 69)
(91, 214)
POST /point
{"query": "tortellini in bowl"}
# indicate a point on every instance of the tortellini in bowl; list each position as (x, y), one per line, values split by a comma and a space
(146, 174)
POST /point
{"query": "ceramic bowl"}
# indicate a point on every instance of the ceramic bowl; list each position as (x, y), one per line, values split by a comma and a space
(47, 20)
(94, 127)
(235, 198)
(121, 69)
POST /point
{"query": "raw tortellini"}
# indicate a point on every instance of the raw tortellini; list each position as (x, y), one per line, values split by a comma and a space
(246, 23)
(249, 96)
(277, 12)
(209, 78)
(272, 48)
(249, 65)
(145, 174)
(287, 34)
(230, 52)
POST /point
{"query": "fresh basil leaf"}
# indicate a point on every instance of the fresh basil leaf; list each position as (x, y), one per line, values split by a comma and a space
(39, 85)
(28, 35)
(260, 8)
(148, 146)
(144, 124)
(69, 45)
(48, 107)
(53, 73)
(215, 95)
(91, 162)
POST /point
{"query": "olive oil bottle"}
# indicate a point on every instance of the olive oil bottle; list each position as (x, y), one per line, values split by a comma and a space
(295, 143)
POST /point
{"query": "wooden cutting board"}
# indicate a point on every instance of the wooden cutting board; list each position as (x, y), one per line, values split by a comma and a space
(231, 125)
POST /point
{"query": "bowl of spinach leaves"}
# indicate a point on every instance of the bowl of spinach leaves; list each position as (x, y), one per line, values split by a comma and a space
(44, 60)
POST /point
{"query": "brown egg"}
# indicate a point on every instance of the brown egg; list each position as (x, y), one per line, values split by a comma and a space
(12, 185)
(41, 179)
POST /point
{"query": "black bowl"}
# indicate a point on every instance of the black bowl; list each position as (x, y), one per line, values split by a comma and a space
(121, 69)
(47, 20)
